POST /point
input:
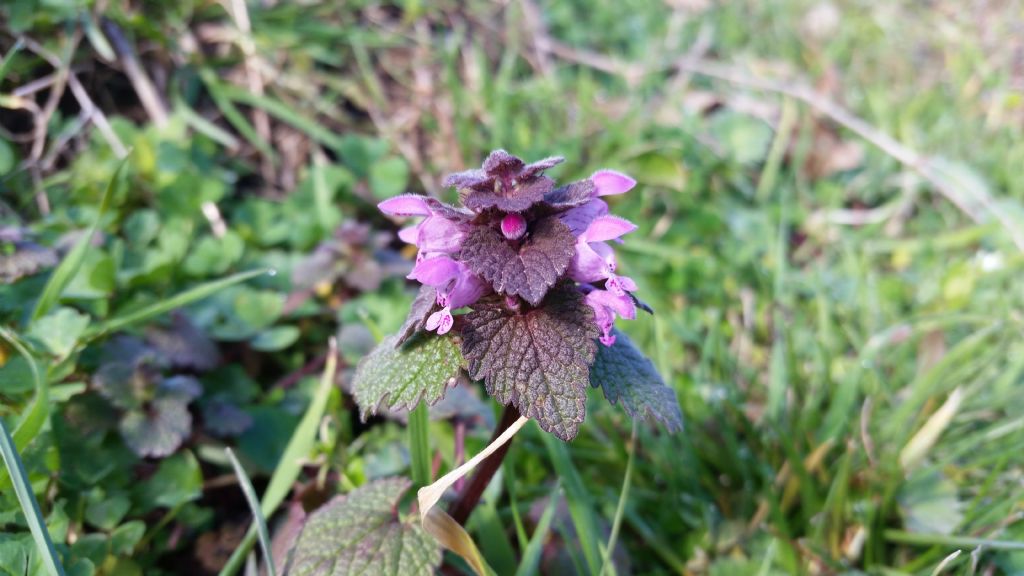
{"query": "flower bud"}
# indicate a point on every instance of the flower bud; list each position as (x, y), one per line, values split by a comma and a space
(513, 226)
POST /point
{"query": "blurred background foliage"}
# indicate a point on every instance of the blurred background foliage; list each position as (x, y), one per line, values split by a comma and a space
(830, 212)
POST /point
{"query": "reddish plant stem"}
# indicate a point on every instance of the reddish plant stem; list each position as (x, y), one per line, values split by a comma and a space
(460, 450)
(470, 497)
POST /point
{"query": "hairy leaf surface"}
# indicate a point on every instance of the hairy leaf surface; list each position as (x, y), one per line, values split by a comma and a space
(524, 195)
(421, 308)
(527, 272)
(538, 361)
(630, 379)
(399, 377)
(360, 533)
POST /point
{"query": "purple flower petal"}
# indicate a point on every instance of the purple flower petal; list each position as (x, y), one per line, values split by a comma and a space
(437, 272)
(606, 228)
(410, 235)
(405, 205)
(609, 182)
(439, 235)
(467, 290)
(587, 265)
(578, 218)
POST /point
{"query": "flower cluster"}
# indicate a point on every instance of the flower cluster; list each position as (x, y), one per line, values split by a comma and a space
(517, 235)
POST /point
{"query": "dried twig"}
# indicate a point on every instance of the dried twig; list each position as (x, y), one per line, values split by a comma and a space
(147, 93)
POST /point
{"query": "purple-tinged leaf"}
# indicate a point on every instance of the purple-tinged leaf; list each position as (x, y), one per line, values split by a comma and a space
(630, 379)
(523, 196)
(159, 429)
(475, 179)
(534, 168)
(400, 377)
(183, 345)
(223, 418)
(447, 211)
(361, 533)
(571, 195)
(529, 271)
(501, 163)
(538, 361)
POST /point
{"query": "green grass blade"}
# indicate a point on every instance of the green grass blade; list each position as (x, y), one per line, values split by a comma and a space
(285, 114)
(68, 267)
(6, 63)
(951, 541)
(254, 505)
(32, 422)
(290, 465)
(185, 298)
(620, 509)
(29, 506)
(419, 444)
(233, 115)
(580, 507)
(531, 555)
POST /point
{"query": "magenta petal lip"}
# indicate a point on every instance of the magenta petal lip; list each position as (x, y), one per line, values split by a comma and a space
(610, 182)
(605, 228)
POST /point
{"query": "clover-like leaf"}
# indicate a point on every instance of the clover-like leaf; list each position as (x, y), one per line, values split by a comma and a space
(222, 417)
(399, 377)
(361, 533)
(422, 306)
(539, 360)
(158, 429)
(528, 271)
(630, 379)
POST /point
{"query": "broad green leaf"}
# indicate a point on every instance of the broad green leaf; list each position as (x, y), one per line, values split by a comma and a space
(59, 330)
(930, 504)
(630, 379)
(274, 339)
(178, 480)
(389, 177)
(421, 369)
(259, 308)
(539, 360)
(361, 533)
(213, 256)
(107, 512)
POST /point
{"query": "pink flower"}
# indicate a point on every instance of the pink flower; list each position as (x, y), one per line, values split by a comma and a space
(607, 305)
(610, 182)
(434, 235)
(594, 259)
(456, 287)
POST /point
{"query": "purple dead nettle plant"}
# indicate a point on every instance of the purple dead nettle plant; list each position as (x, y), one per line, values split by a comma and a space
(533, 266)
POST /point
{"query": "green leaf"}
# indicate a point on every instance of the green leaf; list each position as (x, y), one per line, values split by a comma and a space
(106, 513)
(59, 330)
(259, 308)
(274, 339)
(930, 504)
(389, 177)
(422, 306)
(529, 271)
(69, 266)
(185, 298)
(29, 505)
(360, 533)
(422, 369)
(178, 480)
(213, 256)
(539, 361)
(630, 379)
(126, 536)
(33, 418)
(295, 454)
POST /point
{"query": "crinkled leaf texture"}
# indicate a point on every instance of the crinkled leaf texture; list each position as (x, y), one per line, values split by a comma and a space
(360, 533)
(539, 360)
(524, 195)
(528, 272)
(629, 378)
(422, 306)
(399, 377)
(159, 429)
